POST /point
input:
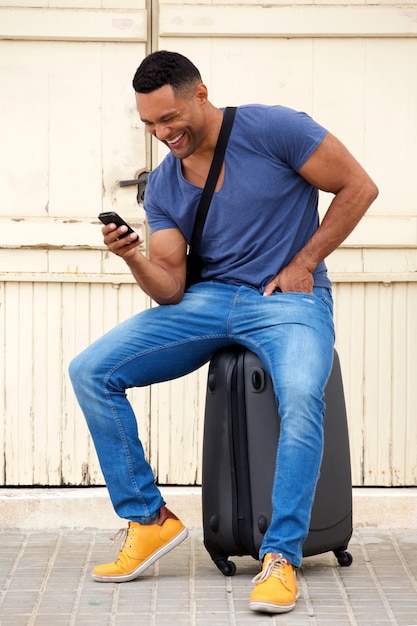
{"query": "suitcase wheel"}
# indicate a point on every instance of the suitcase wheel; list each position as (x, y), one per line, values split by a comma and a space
(228, 568)
(344, 558)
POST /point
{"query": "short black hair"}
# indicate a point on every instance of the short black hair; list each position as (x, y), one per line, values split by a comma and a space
(165, 68)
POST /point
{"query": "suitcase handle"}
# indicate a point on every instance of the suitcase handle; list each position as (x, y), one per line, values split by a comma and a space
(258, 379)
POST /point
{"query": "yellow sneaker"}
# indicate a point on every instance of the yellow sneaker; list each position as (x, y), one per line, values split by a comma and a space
(276, 586)
(144, 544)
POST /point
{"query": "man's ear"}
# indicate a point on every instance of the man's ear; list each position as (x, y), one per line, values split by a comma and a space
(201, 93)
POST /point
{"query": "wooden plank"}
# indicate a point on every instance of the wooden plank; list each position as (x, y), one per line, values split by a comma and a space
(19, 448)
(177, 428)
(400, 380)
(24, 133)
(3, 399)
(408, 445)
(347, 91)
(62, 176)
(75, 336)
(349, 314)
(47, 384)
(295, 20)
(391, 97)
(377, 389)
(51, 24)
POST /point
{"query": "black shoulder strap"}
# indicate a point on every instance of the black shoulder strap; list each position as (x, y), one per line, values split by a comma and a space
(213, 174)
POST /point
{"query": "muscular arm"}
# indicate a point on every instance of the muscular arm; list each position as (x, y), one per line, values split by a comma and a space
(162, 276)
(330, 168)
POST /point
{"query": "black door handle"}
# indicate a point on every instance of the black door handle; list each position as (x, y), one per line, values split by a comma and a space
(141, 181)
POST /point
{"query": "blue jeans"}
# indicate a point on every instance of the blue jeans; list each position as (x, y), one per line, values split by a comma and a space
(292, 333)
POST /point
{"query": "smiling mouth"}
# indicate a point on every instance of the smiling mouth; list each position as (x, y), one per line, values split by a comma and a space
(176, 139)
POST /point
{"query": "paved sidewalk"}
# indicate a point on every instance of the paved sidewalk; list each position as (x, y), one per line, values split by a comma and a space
(45, 581)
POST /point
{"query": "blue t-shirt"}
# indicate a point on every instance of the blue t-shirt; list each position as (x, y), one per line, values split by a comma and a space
(264, 212)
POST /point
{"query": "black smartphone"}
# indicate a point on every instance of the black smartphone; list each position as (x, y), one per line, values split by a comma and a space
(111, 217)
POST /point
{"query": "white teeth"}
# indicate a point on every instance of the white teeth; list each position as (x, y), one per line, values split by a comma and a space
(176, 140)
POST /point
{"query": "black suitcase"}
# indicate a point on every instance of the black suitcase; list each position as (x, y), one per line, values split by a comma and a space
(241, 433)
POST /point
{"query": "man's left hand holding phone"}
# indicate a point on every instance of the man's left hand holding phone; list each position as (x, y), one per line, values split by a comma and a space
(119, 237)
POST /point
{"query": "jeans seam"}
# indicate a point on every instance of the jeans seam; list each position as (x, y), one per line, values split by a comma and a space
(164, 347)
(126, 451)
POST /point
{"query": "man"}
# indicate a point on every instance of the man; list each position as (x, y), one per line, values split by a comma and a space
(265, 286)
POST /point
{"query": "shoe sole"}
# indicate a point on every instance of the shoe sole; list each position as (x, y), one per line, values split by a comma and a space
(265, 607)
(122, 578)
(270, 607)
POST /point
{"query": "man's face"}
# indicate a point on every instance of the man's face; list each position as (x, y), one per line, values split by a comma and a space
(176, 121)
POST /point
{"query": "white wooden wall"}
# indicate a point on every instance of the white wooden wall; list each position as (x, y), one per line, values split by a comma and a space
(69, 132)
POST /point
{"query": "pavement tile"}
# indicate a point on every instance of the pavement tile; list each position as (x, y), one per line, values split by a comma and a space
(45, 581)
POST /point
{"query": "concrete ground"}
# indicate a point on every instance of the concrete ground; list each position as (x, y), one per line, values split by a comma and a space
(45, 581)
(45, 572)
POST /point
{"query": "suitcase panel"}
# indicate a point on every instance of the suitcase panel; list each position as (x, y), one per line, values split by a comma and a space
(220, 513)
(263, 427)
(239, 452)
(331, 517)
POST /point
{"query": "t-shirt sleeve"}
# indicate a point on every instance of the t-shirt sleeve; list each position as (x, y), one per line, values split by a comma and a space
(156, 217)
(293, 135)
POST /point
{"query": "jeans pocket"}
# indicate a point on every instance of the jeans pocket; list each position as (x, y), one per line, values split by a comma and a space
(325, 295)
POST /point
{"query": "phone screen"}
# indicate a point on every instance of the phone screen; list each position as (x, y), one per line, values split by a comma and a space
(111, 217)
